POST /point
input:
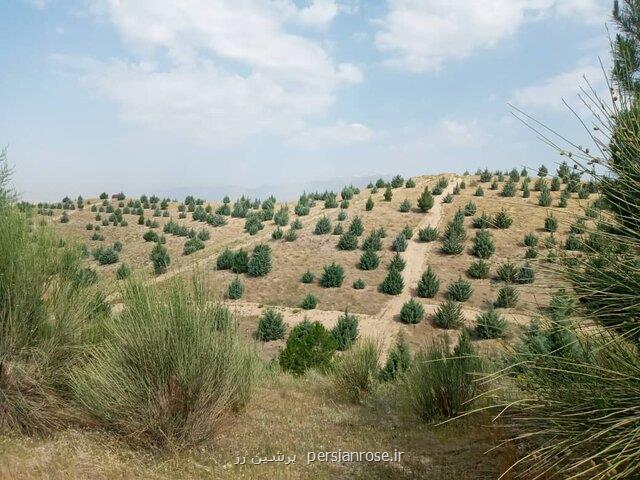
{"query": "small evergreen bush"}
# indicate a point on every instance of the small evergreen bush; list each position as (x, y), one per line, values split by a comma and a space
(346, 330)
(369, 260)
(309, 345)
(307, 277)
(333, 276)
(348, 241)
(397, 263)
(270, 326)
(400, 243)
(240, 261)
(507, 297)
(470, 209)
(323, 226)
(448, 315)
(507, 272)
(393, 284)
(428, 234)
(478, 269)
(309, 302)
(490, 325)
(412, 312)
(425, 201)
(160, 258)
(359, 284)
(502, 219)
(460, 290)
(405, 206)
(235, 290)
(483, 246)
(551, 223)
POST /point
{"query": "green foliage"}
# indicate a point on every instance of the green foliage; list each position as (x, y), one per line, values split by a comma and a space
(342, 215)
(407, 231)
(544, 200)
(460, 290)
(323, 226)
(502, 219)
(235, 290)
(356, 227)
(479, 192)
(123, 272)
(333, 276)
(428, 285)
(509, 189)
(507, 297)
(150, 236)
(270, 326)
(260, 262)
(397, 263)
(105, 256)
(393, 283)
(551, 223)
(483, 221)
(470, 209)
(309, 345)
(483, 246)
(355, 373)
(530, 240)
(225, 259)
(348, 241)
(525, 274)
(277, 234)
(192, 245)
(405, 206)
(478, 269)
(240, 262)
(160, 259)
(400, 243)
(388, 194)
(490, 325)
(373, 241)
(397, 181)
(369, 260)
(281, 217)
(507, 272)
(428, 234)
(359, 284)
(410, 183)
(291, 235)
(398, 360)
(307, 277)
(331, 201)
(412, 312)
(338, 230)
(449, 315)
(346, 330)
(309, 302)
(425, 201)
(573, 242)
(369, 205)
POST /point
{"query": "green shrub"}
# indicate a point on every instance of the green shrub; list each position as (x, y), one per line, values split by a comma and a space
(393, 284)
(452, 246)
(526, 193)
(346, 330)
(369, 260)
(225, 259)
(124, 271)
(479, 191)
(348, 241)
(296, 224)
(150, 236)
(270, 326)
(428, 285)
(507, 272)
(525, 274)
(460, 290)
(373, 241)
(192, 245)
(342, 215)
(470, 209)
(356, 372)
(277, 234)
(235, 290)
(281, 217)
(291, 235)
(309, 302)
(356, 227)
(407, 231)
(509, 189)
(555, 184)
(478, 269)
(323, 226)
(441, 384)
(160, 259)
(428, 234)
(573, 242)
(483, 221)
(388, 194)
(135, 380)
(397, 263)
(551, 223)
(331, 201)
(337, 230)
(531, 252)
(333, 276)
(502, 219)
(369, 205)
(483, 246)
(425, 201)
(530, 240)
(309, 345)
(400, 243)
(307, 277)
(490, 325)
(359, 284)
(507, 297)
(240, 262)
(578, 227)
(105, 256)
(398, 360)
(449, 315)
(544, 200)
(260, 262)
(412, 312)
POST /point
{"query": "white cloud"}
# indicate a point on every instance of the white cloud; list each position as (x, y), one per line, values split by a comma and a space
(421, 35)
(39, 4)
(219, 70)
(341, 133)
(551, 92)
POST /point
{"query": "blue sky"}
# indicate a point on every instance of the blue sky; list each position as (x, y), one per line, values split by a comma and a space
(149, 96)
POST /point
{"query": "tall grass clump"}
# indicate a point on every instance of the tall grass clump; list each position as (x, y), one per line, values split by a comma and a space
(355, 373)
(168, 369)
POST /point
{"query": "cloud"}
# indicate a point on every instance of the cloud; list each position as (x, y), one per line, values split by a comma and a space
(218, 71)
(422, 35)
(39, 4)
(340, 134)
(550, 93)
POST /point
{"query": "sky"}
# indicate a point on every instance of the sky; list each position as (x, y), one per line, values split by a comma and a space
(202, 95)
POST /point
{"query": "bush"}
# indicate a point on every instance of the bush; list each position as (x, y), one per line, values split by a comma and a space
(369, 260)
(448, 315)
(397, 181)
(483, 221)
(105, 256)
(337, 230)
(425, 201)
(412, 312)
(507, 297)
(428, 234)
(291, 235)
(135, 381)
(478, 269)
(235, 290)
(124, 271)
(490, 325)
(369, 205)
(393, 284)
(333, 276)
(281, 217)
(356, 227)
(555, 184)
(270, 326)
(479, 191)
(192, 245)
(502, 219)
(277, 234)
(532, 252)
(225, 259)
(460, 290)
(544, 200)
(388, 194)
(307, 277)
(346, 330)
(405, 206)
(509, 189)
(428, 285)
(309, 302)
(530, 240)
(260, 262)
(470, 209)
(160, 259)
(373, 241)
(348, 241)
(525, 274)
(359, 284)
(551, 223)
(240, 262)
(342, 215)
(507, 272)
(398, 360)
(441, 384)
(407, 231)
(150, 236)
(483, 246)
(400, 243)
(323, 226)
(309, 345)
(452, 246)
(397, 263)
(356, 372)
